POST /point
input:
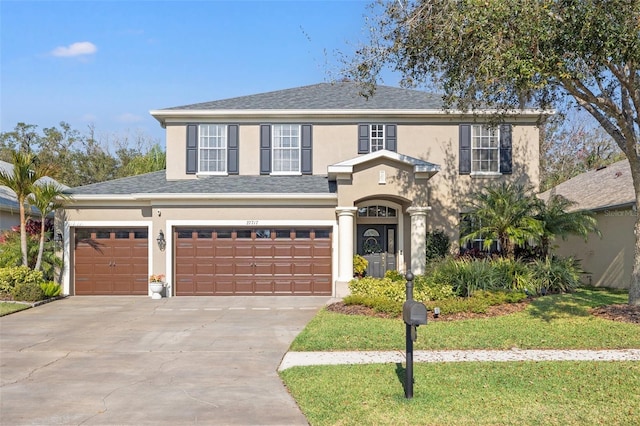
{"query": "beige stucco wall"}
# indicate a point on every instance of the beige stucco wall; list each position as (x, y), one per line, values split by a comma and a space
(609, 260)
(433, 140)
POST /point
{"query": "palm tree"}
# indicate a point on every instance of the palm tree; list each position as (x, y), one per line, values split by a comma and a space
(21, 181)
(503, 213)
(46, 197)
(557, 221)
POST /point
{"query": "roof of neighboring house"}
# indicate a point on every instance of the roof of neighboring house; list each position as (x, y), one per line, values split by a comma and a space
(607, 187)
(325, 96)
(8, 199)
(157, 183)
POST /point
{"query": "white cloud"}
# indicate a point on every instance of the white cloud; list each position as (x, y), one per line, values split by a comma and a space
(75, 49)
(127, 117)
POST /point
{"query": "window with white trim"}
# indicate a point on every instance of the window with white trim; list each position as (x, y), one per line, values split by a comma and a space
(485, 149)
(286, 148)
(212, 148)
(376, 137)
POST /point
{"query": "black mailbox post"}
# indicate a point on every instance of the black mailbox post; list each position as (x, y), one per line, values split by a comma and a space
(414, 314)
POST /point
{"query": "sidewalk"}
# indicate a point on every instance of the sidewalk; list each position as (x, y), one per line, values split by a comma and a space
(293, 359)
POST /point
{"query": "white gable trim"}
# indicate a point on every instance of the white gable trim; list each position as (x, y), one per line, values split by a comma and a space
(419, 166)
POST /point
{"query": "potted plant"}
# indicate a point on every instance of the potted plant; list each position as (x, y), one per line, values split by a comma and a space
(359, 266)
(156, 285)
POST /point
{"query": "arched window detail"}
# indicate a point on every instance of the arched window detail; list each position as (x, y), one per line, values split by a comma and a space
(377, 211)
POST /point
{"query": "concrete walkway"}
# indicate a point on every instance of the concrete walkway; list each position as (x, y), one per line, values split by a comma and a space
(292, 359)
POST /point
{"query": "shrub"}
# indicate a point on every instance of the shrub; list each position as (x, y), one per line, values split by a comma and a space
(466, 276)
(437, 245)
(28, 291)
(359, 265)
(512, 274)
(555, 275)
(378, 304)
(394, 276)
(12, 276)
(51, 289)
(379, 287)
(425, 289)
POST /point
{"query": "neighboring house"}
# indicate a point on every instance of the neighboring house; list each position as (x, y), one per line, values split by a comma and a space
(274, 193)
(609, 193)
(9, 208)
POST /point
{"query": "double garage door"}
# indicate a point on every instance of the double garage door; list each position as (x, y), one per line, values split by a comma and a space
(226, 261)
(207, 261)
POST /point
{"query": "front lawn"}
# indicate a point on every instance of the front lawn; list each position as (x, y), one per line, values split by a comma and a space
(523, 393)
(475, 393)
(549, 322)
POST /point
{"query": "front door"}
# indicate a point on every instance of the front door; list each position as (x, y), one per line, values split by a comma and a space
(377, 244)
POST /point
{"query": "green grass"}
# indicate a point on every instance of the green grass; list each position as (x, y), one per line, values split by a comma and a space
(9, 308)
(550, 322)
(475, 393)
(525, 393)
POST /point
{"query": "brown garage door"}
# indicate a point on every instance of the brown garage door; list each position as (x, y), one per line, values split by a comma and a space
(111, 261)
(223, 261)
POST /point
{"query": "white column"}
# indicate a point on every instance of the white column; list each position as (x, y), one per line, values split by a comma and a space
(418, 238)
(346, 217)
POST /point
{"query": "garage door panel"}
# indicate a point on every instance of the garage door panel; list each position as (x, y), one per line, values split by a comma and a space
(204, 287)
(261, 261)
(111, 261)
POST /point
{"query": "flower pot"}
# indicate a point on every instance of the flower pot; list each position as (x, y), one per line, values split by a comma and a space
(156, 289)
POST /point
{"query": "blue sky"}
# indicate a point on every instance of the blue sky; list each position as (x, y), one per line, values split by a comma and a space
(108, 63)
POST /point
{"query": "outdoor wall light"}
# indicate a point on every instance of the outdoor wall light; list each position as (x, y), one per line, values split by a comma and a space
(57, 239)
(162, 243)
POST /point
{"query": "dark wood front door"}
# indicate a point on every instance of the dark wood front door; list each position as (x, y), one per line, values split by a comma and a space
(377, 244)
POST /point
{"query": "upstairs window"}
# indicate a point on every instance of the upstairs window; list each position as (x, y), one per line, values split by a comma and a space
(212, 148)
(375, 137)
(485, 149)
(286, 148)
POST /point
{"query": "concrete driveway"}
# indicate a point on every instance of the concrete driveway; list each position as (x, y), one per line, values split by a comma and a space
(133, 360)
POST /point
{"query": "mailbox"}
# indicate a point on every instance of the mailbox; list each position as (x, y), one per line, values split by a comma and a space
(414, 313)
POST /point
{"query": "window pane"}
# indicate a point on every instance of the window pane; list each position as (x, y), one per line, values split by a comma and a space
(286, 148)
(243, 233)
(103, 235)
(122, 235)
(205, 233)
(362, 211)
(185, 233)
(283, 233)
(212, 153)
(141, 235)
(303, 233)
(263, 233)
(322, 234)
(223, 233)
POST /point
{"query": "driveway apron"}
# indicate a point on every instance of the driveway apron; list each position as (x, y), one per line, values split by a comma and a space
(132, 360)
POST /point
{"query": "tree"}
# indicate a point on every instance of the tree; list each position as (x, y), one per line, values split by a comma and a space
(21, 181)
(557, 221)
(510, 54)
(46, 197)
(503, 213)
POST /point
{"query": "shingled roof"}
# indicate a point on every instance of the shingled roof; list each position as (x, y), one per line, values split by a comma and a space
(607, 187)
(326, 96)
(156, 183)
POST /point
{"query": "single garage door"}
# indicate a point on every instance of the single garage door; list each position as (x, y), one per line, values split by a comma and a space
(111, 261)
(225, 261)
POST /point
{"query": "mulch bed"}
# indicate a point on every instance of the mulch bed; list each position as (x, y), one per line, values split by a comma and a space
(623, 313)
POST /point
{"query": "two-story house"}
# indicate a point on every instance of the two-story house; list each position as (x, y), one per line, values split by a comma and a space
(273, 193)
